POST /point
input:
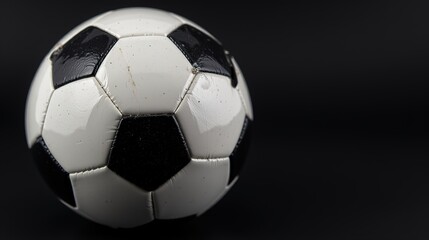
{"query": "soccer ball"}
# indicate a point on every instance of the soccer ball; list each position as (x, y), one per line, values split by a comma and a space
(138, 114)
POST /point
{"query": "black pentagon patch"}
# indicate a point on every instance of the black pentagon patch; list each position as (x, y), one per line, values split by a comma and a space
(52, 172)
(81, 56)
(239, 154)
(148, 150)
(202, 51)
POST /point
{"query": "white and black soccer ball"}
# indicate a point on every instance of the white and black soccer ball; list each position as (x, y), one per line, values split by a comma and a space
(138, 114)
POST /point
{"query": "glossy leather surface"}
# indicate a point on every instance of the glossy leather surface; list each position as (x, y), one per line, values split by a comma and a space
(204, 53)
(211, 116)
(80, 125)
(140, 111)
(81, 56)
(145, 75)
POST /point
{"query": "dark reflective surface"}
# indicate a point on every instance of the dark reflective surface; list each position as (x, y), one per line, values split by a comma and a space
(81, 56)
(148, 150)
(233, 77)
(202, 51)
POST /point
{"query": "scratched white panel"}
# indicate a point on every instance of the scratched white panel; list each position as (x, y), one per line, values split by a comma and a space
(146, 74)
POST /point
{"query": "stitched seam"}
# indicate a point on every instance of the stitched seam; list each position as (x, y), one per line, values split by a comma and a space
(114, 141)
(143, 35)
(152, 202)
(88, 170)
(210, 159)
(46, 113)
(184, 95)
(107, 94)
(183, 52)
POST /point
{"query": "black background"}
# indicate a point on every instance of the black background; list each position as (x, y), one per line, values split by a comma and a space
(340, 147)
